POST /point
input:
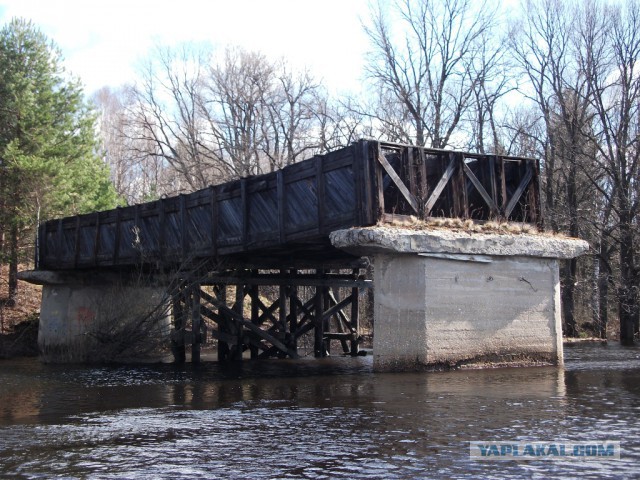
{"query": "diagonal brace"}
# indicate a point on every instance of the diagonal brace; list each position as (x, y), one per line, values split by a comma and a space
(411, 200)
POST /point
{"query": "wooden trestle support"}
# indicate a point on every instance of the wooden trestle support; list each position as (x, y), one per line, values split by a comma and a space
(234, 310)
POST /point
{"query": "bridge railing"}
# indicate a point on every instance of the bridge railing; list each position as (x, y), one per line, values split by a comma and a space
(299, 205)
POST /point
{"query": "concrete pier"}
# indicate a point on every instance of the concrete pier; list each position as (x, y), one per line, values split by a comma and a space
(90, 318)
(448, 299)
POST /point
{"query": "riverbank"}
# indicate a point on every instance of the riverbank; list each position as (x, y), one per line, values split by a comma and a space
(19, 318)
(21, 341)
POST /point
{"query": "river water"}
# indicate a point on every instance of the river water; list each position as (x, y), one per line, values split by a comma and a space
(329, 418)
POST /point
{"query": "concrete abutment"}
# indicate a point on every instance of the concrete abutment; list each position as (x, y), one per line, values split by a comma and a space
(447, 299)
(86, 320)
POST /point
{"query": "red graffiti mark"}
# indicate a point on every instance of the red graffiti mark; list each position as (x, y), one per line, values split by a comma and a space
(85, 315)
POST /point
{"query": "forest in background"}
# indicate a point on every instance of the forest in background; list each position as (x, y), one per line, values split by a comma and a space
(559, 81)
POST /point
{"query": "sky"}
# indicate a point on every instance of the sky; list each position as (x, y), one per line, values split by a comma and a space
(103, 41)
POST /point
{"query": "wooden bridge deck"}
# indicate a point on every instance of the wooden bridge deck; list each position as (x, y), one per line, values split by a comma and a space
(283, 218)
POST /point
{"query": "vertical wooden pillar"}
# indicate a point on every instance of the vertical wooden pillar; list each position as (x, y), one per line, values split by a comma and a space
(355, 318)
(254, 293)
(340, 318)
(223, 347)
(177, 342)
(238, 307)
(318, 344)
(326, 327)
(195, 324)
(293, 318)
(379, 176)
(283, 326)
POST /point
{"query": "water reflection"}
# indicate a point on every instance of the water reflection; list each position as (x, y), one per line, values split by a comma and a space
(330, 418)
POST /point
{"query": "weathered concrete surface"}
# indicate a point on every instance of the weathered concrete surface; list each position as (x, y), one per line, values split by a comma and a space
(447, 299)
(88, 323)
(367, 241)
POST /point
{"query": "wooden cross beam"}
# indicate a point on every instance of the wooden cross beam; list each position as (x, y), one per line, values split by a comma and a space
(446, 176)
(481, 190)
(254, 328)
(524, 183)
(411, 200)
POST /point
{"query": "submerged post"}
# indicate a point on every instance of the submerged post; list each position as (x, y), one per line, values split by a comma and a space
(447, 299)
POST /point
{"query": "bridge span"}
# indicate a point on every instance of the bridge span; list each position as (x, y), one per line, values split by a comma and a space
(268, 264)
(284, 218)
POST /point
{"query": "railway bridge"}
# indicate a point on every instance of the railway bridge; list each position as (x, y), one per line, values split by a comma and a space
(276, 265)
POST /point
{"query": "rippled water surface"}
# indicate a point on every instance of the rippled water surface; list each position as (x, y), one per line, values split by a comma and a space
(330, 418)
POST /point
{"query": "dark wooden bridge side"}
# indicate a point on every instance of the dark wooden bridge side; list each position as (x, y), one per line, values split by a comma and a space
(223, 244)
(286, 216)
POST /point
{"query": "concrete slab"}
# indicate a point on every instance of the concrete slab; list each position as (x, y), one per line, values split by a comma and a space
(367, 241)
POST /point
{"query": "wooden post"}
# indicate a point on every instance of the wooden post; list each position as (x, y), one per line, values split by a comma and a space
(423, 185)
(238, 307)
(214, 221)
(223, 347)
(503, 188)
(245, 212)
(321, 194)
(280, 195)
(355, 317)
(339, 317)
(96, 240)
(76, 243)
(283, 327)
(326, 325)
(493, 181)
(195, 324)
(183, 227)
(162, 223)
(318, 344)
(177, 342)
(255, 315)
(116, 245)
(380, 186)
(459, 190)
(408, 159)
(293, 317)
(369, 163)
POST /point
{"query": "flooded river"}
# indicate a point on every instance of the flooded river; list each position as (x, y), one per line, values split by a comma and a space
(329, 418)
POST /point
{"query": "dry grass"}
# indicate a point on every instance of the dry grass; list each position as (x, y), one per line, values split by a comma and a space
(461, 225)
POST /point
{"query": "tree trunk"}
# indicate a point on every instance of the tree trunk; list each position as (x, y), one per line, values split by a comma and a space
(627, 292)
(571, 266)
(603, 313)
(1, 254)
(604, 280)
(602, 274)
(568, 302)
(13, 266)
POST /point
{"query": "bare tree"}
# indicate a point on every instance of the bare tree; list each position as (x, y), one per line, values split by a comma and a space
(233, 110)
(427, 71)
(339, 123)
(548, 52)
(212, 118)
(290, 132)
(491, 68)
(168, 117)
(611, 36)
(115, 145)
